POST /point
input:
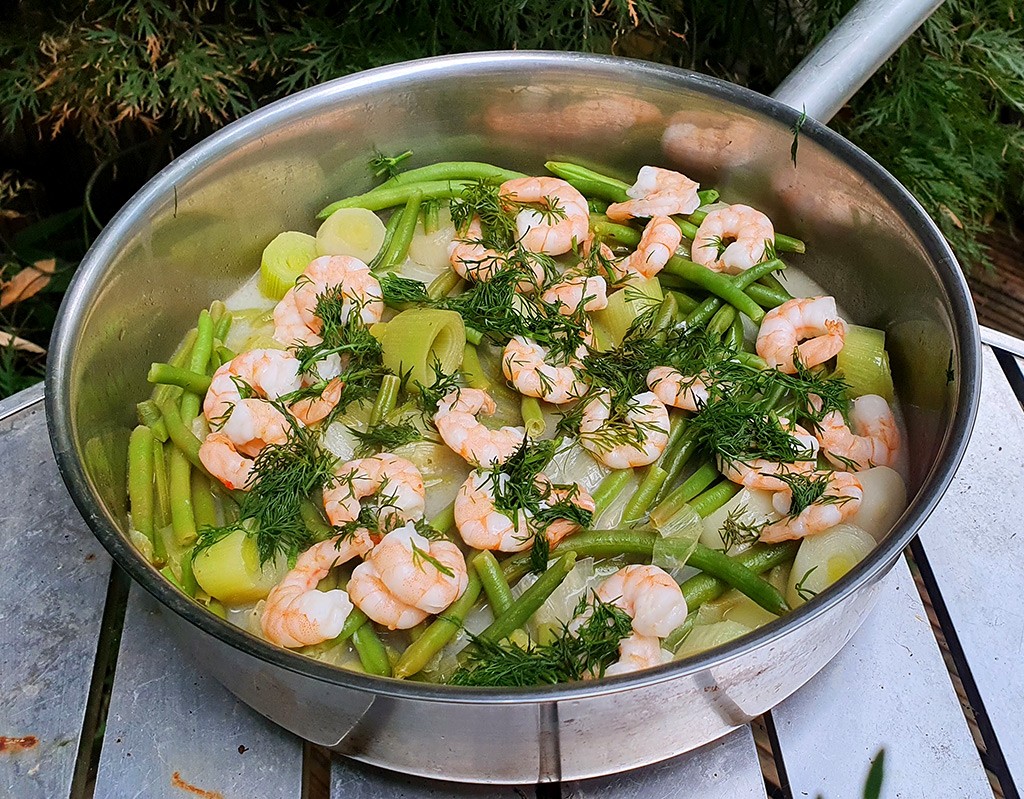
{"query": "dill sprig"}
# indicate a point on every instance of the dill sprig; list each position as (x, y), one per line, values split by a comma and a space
(802, 591)
(737, 531)
(397, 290)
(810, 489)
(498, 214)
(382, 164)
(440, 387)
(572, 655)
(515, 487)
(384, 437)
(284, 475)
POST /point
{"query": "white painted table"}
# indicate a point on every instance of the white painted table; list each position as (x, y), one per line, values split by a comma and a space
(68, 622)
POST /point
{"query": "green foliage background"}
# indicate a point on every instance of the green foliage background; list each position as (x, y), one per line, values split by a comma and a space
(102, 83)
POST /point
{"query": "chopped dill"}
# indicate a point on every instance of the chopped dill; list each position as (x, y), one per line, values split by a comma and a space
(442, 385)
(736, 531)
(397, 290)
(419, 557)
(810, 489)
(802, 591)
(572, 655)
(384, 437)
(283, 476)
(515, 487)
(498, 214)
(797, 126)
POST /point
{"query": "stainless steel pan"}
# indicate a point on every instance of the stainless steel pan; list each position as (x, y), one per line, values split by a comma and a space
(195, 231)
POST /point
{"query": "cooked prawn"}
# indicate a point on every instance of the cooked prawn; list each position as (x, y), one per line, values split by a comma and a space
(471, 260)
(220, 455)
(576, 291)
(482, 526)
(360, 290)
(676, 389)
(657, 192)
(315, 409)
(563, 223)
(762, 474)
(269, 374)
(811, 320)
(407, 571)
(649, 596)
(524, 363)
(841, 499)
(396, 482)
(296, 613)
(290, 327)
(456, 422)
(732, 239)
(876, 441)
(645, 428)
(658, 243)
(638, 652)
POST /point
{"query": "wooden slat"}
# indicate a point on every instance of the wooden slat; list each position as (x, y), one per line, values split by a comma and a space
(53, 581)
(999, 294)
(974, 547)
(887, 688)
(171, 728)
(353, 780)
(725, 769)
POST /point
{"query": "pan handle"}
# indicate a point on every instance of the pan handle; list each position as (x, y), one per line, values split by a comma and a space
(844, 60)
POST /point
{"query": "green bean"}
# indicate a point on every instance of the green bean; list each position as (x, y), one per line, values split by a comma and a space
(445, 520)
(702, 314)
(734, 335)
(523, 608)
(697, 482)
(198, 361)
(140, 480)
(678, 425)
(222, 327)
(181, 435)
(533, 417)
(472, 371)
(708, 196)
(665, 316)
(588, 182)
(443, 284)
(702, 588)
(371, 651)
(162, 393)
(355, 621)
(677, 461)
(431, 216)
(784, 243)
(389, 197)
(203, 506)
(225, 354)
(176, 376)
(440, 632)
(314, 522)
(452, 170)
(493, 581)
(767, 297)
(610, 488)
(712, 561)
(387, 399)
(718, 284)
(721, 321)
(389, 234)
(678, 635)
(714, 498)
(162, 508)
(399, 247)
(638, 504)
(473, 336)
(620, 234)
(183, 520)
(684, 302)
(149, 415)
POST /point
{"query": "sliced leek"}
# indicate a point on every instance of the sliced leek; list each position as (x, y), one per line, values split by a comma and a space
(419, 339)
(351, 231)
(284, 259)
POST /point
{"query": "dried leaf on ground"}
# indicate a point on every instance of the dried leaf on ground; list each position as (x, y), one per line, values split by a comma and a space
(28, 282)
(19, 343)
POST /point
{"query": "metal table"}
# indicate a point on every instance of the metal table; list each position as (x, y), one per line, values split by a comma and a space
(72, 631)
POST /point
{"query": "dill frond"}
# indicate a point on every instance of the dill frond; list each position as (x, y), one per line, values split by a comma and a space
(572, 655)
(384, 437)
(381, 164)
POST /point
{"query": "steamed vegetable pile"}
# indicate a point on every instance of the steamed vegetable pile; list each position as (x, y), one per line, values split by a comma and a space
(492, 429)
